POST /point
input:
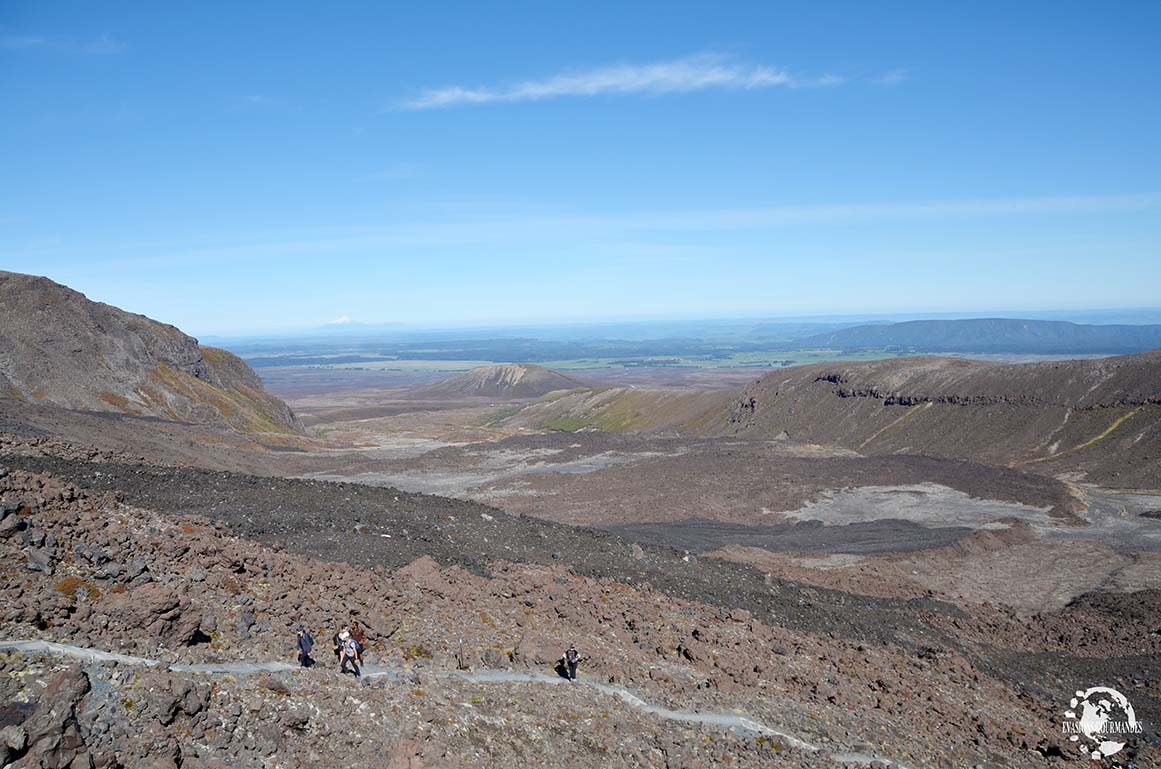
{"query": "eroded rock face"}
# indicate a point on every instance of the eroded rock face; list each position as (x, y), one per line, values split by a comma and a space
(52, 736)
(59, 348)
(1033, 415)
(536, 650)
(158, 612)
(169, 697)
(504, 381)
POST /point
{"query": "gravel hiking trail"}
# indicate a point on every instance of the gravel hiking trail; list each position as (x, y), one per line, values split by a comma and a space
(732, 721)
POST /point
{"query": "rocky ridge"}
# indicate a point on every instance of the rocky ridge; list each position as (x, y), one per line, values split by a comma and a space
(59, 348)
(1099, 419)
(524, 380)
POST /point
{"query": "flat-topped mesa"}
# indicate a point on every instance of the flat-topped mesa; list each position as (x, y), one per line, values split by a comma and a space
(511, 380)
(1099, 417)
(59, 348)
(1126, 380)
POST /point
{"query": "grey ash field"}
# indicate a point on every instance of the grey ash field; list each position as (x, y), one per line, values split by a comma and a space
(910, 562)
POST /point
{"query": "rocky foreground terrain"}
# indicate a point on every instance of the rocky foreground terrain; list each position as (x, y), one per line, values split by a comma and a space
(185, 568)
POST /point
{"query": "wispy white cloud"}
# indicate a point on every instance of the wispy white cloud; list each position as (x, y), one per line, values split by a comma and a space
(98, 46)
(894, 77)
(22, 42)
(342, 320)
(694, 73)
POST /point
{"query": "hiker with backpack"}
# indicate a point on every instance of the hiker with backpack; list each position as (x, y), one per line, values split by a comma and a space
(570, 660)
(359, 635)
(350, 653)
(305, 645)
(337, 643)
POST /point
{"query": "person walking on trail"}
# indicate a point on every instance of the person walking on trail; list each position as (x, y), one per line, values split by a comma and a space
(571, 659)
(337, 642)
(360, 636)
(350, 654)
(305, 645)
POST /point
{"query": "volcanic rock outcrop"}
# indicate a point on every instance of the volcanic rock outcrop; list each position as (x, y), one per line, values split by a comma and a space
(59, 348)
(1100, 417)
(504, 381)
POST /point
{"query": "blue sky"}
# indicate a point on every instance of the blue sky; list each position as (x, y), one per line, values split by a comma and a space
(235, 167)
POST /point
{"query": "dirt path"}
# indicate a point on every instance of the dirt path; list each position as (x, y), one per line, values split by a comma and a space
(733, 721)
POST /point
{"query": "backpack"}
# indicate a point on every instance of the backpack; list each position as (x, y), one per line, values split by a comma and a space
(307, 643)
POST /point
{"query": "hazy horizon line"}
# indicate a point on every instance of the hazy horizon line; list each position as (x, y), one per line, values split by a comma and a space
(353, 327)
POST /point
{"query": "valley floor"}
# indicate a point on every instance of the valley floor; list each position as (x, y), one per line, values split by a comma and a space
(898, 608)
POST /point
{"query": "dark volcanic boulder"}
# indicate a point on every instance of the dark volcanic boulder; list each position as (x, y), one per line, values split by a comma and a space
(52, 735)
(160, 613)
